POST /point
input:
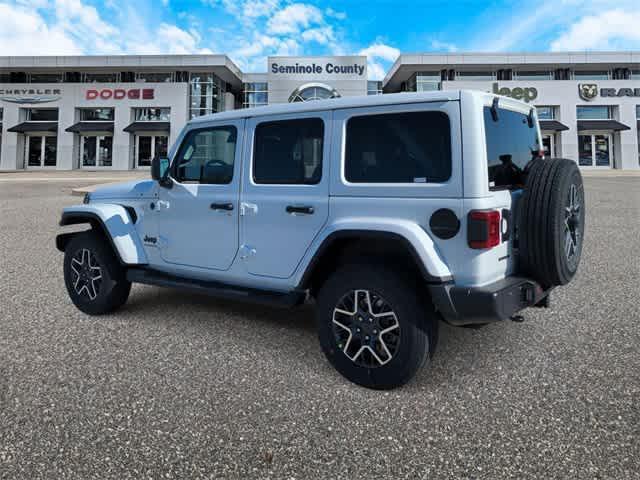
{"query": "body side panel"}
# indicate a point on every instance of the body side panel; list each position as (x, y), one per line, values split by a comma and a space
(118, 225)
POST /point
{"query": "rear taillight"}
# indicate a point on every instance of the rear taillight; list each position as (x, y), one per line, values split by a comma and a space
(483, 228)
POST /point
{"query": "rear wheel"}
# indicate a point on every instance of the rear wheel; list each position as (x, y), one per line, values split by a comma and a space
(94, 278)
(373, 326)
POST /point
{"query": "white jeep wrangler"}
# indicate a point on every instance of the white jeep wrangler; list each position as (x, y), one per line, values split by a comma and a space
(392, 212)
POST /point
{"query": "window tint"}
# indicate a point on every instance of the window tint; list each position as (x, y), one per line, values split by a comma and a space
(410, 147)
(288, 151)
(207, 156)
(511, 145)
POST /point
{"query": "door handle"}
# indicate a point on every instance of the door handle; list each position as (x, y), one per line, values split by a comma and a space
(222, 206)
(305, 209)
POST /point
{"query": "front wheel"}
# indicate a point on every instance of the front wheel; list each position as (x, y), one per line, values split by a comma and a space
(94, 278)
(374, 327)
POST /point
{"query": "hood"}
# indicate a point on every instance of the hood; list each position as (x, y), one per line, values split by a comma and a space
(134, 189)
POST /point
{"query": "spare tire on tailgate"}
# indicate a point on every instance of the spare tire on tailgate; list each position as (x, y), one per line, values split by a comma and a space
(551, 222)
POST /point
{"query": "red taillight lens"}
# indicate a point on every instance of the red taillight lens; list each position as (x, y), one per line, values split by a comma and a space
(483, 228)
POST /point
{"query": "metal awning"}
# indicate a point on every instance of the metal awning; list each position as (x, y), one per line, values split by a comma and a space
(26, 127)
(611, 125)
(147, 127)
(553, 125)
(91, 127)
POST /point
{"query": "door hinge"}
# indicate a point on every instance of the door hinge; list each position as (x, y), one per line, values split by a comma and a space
(246, 251)
(247, 208)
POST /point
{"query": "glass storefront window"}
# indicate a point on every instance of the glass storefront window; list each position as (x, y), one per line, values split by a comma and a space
(313, 91)
(546, 112)
(594, 112)
(255, 94)
(154, 77)
(101, 77)
(534, 75)
(96, 114)
(206, 93)
(152, 114)
(45, 77)
(591, 75)
(424, 82)
(637, 112)
(374, 87)
(475, 76)
(42, 115)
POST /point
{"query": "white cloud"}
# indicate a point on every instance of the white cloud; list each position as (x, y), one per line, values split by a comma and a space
(293, 18)
(334, 14)
(379, 56)
(614, 29)
(443, 46)
(71, 27)
(321, 35)
(30, 35)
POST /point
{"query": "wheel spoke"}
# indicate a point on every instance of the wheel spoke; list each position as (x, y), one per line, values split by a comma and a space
(355, 317)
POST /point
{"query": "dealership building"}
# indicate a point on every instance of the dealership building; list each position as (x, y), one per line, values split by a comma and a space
(117, 112)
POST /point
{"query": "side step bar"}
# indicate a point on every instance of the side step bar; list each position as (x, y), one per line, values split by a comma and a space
(216, 289)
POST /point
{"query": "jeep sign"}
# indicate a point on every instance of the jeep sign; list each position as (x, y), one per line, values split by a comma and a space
(519, 93)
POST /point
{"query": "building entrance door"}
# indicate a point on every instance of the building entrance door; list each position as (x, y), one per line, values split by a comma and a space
(148, 146)
(548, 145)
(41, 151)
(96, 151)
(595, 150)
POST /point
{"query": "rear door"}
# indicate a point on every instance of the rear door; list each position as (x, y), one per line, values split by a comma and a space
(284, 198)
(512, 141)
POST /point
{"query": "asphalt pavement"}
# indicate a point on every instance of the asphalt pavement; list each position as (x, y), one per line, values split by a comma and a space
(184, 386)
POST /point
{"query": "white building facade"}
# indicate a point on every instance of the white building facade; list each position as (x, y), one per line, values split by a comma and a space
(588, 103)
(117, 112)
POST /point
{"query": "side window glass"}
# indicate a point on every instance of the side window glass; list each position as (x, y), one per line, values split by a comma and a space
(288, 152)
(207, 156)
(413, 147)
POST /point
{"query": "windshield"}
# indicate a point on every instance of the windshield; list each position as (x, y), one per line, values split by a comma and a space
(512, 142)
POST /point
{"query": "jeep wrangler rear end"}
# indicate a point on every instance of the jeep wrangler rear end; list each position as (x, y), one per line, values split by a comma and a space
(391, 212)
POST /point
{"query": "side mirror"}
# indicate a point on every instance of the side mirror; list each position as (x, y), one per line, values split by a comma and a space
(159, 169)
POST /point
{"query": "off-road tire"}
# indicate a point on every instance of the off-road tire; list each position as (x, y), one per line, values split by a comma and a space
(551, 222)
(110, 291)
(416, 317)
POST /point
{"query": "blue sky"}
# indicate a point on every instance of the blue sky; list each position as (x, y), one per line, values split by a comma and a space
(249, 31)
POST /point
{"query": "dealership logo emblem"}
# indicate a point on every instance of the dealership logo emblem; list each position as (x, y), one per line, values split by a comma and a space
(30, 95)
(588, 91)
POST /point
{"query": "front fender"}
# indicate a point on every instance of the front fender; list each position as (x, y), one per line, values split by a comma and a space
(422, 247)
(117, 226)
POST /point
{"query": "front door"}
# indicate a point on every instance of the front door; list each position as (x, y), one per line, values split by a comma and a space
(41, 151)
(148, 146)
(548, 145)
(197, 217)
(96, 150)
(285, 191)
(595, 150)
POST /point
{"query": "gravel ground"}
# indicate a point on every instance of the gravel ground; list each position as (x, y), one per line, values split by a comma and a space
(183, 386)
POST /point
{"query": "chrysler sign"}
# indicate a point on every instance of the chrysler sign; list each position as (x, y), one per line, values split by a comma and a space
(120, 94)
(30, 95)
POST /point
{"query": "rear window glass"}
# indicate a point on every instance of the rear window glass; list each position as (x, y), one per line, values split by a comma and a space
(412, 147)
(511, 145)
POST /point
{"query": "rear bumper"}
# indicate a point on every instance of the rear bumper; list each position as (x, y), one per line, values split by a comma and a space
(490, 303)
